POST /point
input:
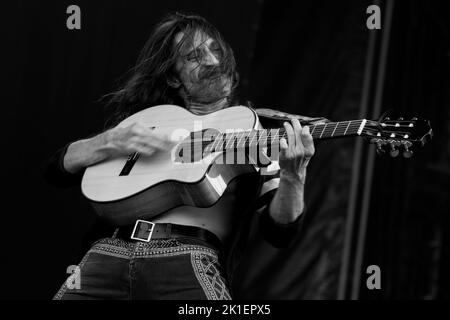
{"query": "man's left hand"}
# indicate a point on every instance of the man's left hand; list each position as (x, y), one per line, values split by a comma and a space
(296, 151)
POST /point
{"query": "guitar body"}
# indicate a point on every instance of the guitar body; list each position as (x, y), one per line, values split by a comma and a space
(157, 183)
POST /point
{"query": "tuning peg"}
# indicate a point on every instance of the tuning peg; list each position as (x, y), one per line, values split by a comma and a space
(380, 151)
(414, 119)
(400, 119)
(393, 152)
(379, 144)
(407, 153)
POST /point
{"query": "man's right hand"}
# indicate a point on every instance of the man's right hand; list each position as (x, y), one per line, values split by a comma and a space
(114, 142)
(134, 138)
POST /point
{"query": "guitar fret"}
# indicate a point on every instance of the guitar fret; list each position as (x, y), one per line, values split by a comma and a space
(322, 131)
(266, 137)
(327, 129)
(347, 127)
(261, 135)
(337, 124)
(340, 128)
(276, 134)
(220, 143)
(229, 140)
(254, 135)
(214, 144)
(271, 136)
(246, 139)
(239, 139)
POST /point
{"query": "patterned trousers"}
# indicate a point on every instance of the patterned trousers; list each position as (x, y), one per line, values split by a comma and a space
(167, 269)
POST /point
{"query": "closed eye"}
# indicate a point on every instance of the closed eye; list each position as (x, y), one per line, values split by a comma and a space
(194, 55)
(216, 49)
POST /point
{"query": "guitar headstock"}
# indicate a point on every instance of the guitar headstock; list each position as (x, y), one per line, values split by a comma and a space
(395, 136)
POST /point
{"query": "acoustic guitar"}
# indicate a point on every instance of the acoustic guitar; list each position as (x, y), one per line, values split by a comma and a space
(208, 152)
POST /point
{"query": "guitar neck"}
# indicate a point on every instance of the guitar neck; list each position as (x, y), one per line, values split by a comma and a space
(267, 137)
(336, 129)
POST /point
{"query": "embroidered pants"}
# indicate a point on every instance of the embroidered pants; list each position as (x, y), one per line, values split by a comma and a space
(168, 269)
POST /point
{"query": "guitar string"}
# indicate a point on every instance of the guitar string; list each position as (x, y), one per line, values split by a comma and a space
(281, 133)
(269, 136)
(233, 136)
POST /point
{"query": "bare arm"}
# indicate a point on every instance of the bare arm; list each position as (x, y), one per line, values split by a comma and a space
(114, 142)
(86, 152)
(288, 202)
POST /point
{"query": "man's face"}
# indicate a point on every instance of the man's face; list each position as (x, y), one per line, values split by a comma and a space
(198, 67)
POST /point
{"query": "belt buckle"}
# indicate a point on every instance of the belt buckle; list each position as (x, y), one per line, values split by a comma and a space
(140, 237)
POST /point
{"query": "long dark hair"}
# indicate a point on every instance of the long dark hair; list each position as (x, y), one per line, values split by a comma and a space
(149, 82)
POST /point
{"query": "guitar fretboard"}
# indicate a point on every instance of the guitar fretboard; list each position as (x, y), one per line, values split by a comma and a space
(267, 137)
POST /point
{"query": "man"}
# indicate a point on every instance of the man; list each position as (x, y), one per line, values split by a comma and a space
(187, 63)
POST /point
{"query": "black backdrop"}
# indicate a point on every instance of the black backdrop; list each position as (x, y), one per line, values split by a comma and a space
(302, 57)
(408, 232)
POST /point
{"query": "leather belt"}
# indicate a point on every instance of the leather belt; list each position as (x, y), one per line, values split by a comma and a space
(145, 231)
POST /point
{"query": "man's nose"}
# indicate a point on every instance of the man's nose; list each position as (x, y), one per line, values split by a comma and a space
(209, 58)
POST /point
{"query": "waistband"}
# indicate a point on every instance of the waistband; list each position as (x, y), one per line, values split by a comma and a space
(145, 231)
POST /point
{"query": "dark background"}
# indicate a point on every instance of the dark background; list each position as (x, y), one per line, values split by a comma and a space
(311, 57)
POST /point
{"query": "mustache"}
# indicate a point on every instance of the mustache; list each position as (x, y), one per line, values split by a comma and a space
(211, 72)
